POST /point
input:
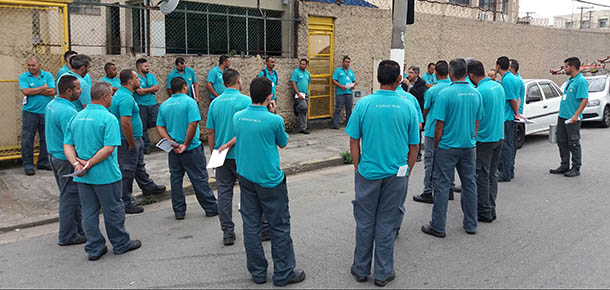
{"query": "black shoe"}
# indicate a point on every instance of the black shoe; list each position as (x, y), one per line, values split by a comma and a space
(260, 282)
(297, 277)
(95, 258)
(470, 232)
(418, 159)
(47, 167)
(211, 214)
(359, 279)
(572, 173)
(457, 189)
(81, 240)
(266, 235)
(559, 170)
(428, 230)
(425, 198)
(484, 219)
(158, 189)
(493, 216)
(451, 195)
(135, 244)
(503, 179)
(306, 132)
(134, 209)
(382, 283)
(229, 241)
(29, 171)
(397, 232)
(146, 151)
(336, 127)
(179, 217)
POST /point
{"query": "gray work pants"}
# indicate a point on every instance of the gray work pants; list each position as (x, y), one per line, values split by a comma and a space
(70, 217)
(148, 114)
(300, 108)
(488, 158)
(226, 175)
(343, 100)
(568, 141)
(131, 163)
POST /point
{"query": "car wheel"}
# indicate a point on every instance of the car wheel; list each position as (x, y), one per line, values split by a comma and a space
(605, 123)
(520, 135)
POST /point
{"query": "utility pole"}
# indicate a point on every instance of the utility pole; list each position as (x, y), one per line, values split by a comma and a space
(582, 9)
(495, 9)
(399, 29)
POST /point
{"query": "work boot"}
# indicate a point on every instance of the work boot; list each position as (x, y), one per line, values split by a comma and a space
(559, 170)
(573, 172)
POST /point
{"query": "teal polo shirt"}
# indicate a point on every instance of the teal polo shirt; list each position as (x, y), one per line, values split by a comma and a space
(36, 104)
(64, 69)
(175, 114)
(85, 94)
(302, 79)
(123, 105)
(521, 93)
(220, 116)
(147, 81)
(57, 117)
(512, 89)
(188, 75)
(429, 101)
(114, 82)
(576, 89)
(343, 77)
(413, 100)
(459, 106)
(215, 77)
(88, 80)
(273, 77)
(429, 78)
(387, 124)
(491, 127)
(89, 131)
(258, 133)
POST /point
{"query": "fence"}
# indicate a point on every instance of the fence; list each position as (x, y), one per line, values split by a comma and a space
(247, 28)
(29, 28)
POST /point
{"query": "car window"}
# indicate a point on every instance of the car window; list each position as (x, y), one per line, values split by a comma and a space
(533, 94)
(549, 93)
(557, 89)
(597, 84)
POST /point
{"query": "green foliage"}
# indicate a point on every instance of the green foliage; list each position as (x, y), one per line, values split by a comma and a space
(347, 157)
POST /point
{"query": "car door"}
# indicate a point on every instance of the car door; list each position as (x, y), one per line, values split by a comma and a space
(552, 101)
(534, 107)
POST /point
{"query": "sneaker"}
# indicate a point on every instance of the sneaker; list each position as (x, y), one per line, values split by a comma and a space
(297, 277)
(559, 170)
(95, 258)
(79, 241)
(572, 173)
(229, 241)
(382, 283)
(135, 244)
(134, 209)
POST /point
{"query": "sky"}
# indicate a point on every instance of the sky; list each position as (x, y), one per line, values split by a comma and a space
(550, 8)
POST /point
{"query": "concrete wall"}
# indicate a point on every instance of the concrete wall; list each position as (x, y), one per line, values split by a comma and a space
(538, 49)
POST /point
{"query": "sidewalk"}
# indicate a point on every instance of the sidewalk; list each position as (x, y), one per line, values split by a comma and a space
(33, 200)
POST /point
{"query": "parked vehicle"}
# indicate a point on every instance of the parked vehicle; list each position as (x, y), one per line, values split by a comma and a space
(598, 108)
(542, 99)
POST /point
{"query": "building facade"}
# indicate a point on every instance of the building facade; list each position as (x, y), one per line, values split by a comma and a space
(584, 20)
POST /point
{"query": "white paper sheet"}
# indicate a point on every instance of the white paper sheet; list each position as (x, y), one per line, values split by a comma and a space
(402, 171)
(217, 159)
(349, 85)
(297, 96)
(166, 145)
(76, 173)
(524, 120)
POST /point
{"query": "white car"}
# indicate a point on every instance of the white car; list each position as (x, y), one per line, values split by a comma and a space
(598, 108)
(542, 98)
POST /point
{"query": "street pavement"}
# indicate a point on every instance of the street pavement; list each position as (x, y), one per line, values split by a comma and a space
(551, 232)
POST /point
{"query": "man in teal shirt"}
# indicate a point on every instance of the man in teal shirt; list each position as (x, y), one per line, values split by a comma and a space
(387, 126)
(147, 102)
(90, 145)
(514, 68)
(79, 68)
(188, 74)
(573, 102)
(299, 81)
(111, 76)
(271, 74)
(489, 140)
(131, 151)
(512, 89)
(215, 83)
(430, 77)
(345, 80)
(38, 88)
(178, 121)
(58, 114)
(441, 71)
(66, 68)
(221, 136)
(262, 183)
(458, 110)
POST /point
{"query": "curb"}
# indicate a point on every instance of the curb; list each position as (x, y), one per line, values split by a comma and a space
(188, 190)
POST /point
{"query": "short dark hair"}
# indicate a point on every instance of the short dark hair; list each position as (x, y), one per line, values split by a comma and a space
(98, 89)
(140, 61)
(458, 68)
(179, 60)
(431, 64)
(79, 61)
(260, 89)
(346, 57)
(177, 84)
(387, 72)
(68, 54)
(126, 75)
(573, 61)
(503, 62)
(442, 68)
(514, 64)
(108, 65)
(476, 68)
(267, 58)
(305, 60)
(222, 59)
(66, 82)
(415, 69)
(230, 77)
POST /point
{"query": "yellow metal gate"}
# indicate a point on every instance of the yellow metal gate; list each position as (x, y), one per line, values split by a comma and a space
(321, 55)
(28, 28)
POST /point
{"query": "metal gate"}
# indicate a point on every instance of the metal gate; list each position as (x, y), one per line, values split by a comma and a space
(29, 28)
(321, 55)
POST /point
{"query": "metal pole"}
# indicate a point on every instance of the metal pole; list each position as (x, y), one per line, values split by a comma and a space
(186, 31)
(148, 29)
(228, 34)
(265, 35)
(207, 27)
(247, 32)
(495, 9)
(399, 29)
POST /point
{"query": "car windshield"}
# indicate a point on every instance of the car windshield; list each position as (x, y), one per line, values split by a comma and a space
(596, 84)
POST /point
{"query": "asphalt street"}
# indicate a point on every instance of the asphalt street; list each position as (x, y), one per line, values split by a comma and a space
(551, 232)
